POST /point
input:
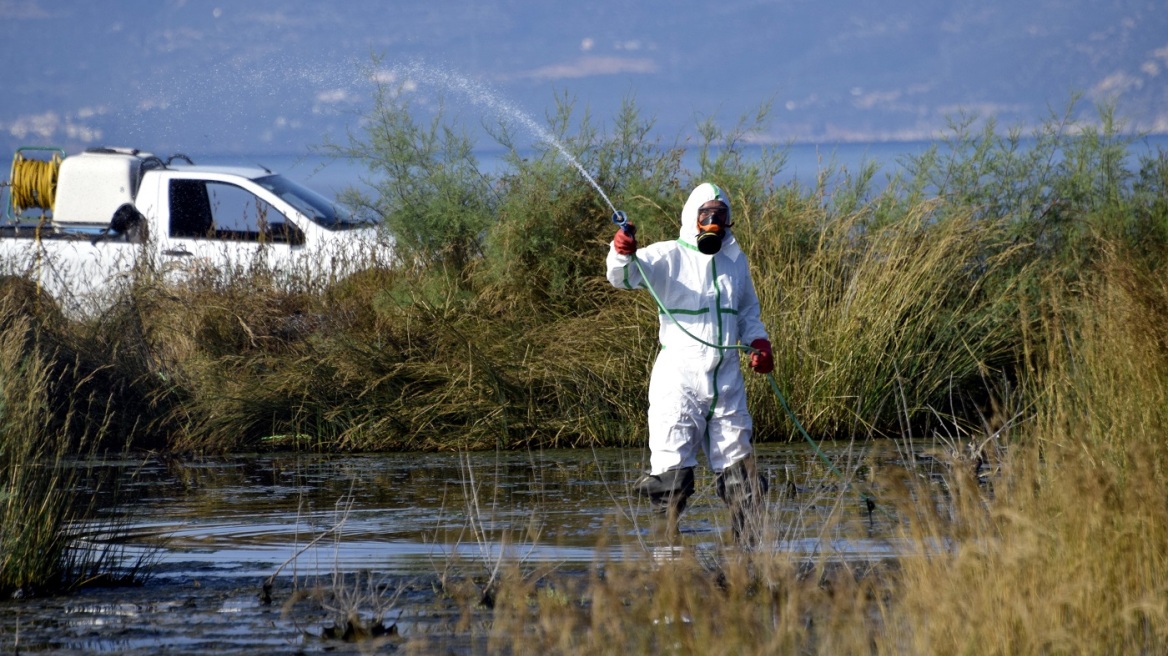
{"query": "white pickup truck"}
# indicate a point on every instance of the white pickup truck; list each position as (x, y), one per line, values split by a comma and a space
(98, 213)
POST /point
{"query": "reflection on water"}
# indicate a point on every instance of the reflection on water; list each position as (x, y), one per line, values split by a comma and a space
(216, 528)
(400, 512)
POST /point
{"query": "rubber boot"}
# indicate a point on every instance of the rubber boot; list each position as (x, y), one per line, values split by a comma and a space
(668, 494)
(743, 490)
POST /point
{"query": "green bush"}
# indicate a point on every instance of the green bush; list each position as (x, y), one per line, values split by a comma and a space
(430, 191)
(890, 309)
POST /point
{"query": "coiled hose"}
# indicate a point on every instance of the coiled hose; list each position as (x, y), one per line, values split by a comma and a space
(33, 185)
(34, 182)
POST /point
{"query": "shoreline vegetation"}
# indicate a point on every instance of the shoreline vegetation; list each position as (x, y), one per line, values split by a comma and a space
(1008, 300)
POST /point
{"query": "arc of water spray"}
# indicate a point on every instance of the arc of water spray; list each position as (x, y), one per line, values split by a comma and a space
(478, 94)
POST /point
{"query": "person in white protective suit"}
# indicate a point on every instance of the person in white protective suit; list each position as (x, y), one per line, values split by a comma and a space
(697, 399)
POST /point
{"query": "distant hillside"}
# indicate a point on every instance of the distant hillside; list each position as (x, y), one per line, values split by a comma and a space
(278, 76)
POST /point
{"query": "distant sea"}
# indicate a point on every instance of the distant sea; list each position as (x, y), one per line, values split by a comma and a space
(804, 162)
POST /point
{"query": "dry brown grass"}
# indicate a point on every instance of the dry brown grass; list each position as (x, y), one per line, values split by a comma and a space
(1061, 548)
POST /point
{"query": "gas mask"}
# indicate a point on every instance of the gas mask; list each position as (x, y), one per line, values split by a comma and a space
(712, 224)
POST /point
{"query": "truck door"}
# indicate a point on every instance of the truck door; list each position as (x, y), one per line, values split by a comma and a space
(222, 225)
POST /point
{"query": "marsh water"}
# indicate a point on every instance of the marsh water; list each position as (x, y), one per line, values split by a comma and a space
(212, 531)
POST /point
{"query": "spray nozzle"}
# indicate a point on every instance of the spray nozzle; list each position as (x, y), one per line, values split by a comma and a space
(622, 220)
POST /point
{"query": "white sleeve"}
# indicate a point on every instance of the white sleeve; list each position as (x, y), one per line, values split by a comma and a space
(651, 267)
(622, 273)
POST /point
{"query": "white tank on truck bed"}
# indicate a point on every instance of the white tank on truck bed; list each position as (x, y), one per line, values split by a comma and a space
(92, 185)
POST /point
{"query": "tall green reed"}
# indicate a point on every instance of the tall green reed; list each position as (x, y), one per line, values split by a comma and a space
(45, 460)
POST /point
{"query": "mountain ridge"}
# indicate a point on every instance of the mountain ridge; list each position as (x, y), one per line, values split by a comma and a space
(282, 76)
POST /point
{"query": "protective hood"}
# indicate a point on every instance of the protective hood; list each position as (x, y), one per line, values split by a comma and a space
(704, 193)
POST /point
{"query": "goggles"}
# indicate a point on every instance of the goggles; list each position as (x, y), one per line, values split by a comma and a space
(711, 218)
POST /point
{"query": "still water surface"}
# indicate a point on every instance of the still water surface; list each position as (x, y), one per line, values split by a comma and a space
(216, 529)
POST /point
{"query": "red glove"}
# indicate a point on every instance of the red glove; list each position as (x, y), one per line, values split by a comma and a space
(762, 360)
(624, 241)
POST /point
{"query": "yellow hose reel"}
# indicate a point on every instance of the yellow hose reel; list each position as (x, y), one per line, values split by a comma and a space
(34, 181)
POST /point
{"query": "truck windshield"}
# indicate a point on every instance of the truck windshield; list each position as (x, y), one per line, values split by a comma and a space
(317, 208)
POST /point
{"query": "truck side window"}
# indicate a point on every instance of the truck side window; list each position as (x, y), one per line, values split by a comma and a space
(190, 210)
(241, 215)
(220, 210)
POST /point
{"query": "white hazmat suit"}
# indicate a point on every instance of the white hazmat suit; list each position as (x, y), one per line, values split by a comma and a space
(696, 395)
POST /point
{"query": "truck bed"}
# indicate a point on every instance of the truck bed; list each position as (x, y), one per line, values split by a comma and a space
(47, 232)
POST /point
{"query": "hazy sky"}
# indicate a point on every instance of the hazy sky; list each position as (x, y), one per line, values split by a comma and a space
(280, 75)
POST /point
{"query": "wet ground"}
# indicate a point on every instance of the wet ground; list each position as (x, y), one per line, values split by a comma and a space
(215, 531)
